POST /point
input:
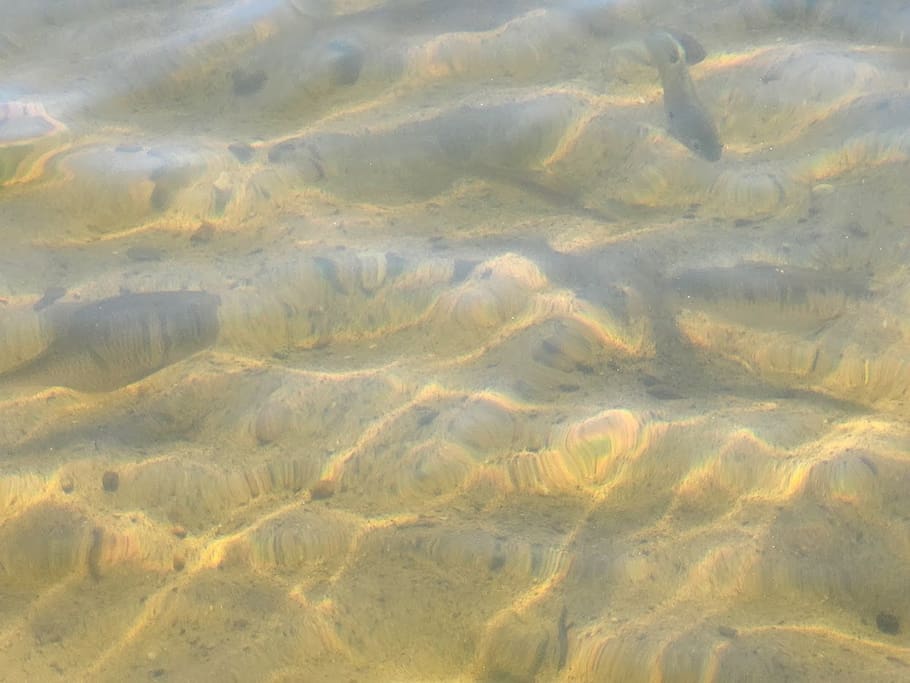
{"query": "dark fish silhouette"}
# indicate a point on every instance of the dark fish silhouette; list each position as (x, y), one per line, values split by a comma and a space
(110, 343)
(764, 294)
(688, 120)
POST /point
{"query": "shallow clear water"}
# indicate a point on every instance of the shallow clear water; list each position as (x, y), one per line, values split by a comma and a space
(418, 341)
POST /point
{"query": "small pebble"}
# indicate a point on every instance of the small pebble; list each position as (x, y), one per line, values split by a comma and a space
(322, 489)
(110, 481)
(888, 623)
(202, 234)
(248, 82)
(243, 153)
(727, 631)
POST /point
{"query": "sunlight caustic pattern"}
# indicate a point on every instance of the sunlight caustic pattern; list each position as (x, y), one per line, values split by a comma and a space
(412, 341)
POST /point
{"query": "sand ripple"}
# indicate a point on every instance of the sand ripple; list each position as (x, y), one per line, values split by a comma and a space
(371, 341)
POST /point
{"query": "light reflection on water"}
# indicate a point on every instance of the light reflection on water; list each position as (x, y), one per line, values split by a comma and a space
(433, 341)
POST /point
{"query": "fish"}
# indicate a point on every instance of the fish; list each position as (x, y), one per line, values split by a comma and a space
(770, 296)
(107, 344)
(688, 120)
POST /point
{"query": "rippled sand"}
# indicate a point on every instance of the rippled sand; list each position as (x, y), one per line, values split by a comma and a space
(351, 341)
